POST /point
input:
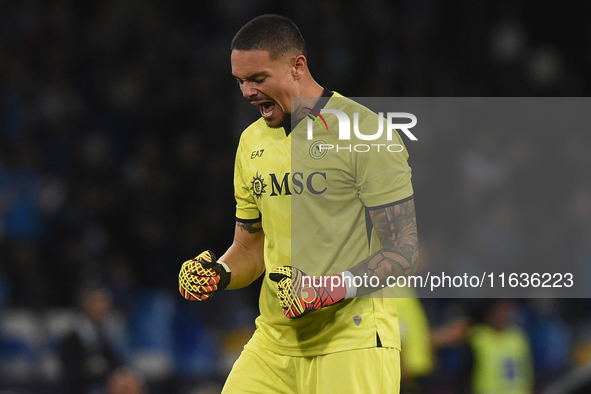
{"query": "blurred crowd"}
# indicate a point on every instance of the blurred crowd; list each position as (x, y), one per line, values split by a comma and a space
(118, 126)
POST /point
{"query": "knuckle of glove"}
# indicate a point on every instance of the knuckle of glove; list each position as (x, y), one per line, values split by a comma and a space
(280, 273)
(197, 278)
(201, 276)
(200, 269)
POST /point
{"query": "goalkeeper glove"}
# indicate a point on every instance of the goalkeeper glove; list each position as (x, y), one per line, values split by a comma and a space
(203, 275)
(300, 294)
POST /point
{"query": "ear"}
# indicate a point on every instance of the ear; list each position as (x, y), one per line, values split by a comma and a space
(298, 67)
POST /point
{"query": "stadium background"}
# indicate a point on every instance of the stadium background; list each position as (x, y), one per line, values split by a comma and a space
(118, 126)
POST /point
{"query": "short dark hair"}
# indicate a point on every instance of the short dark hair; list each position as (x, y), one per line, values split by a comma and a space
(274, 33)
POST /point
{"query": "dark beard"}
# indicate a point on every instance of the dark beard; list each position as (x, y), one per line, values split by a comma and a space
(285, 122)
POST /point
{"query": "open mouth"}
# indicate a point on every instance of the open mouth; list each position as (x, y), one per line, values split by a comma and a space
(267, 108)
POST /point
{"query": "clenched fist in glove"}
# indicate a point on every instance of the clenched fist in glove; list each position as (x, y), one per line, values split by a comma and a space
(203, 275)
(300, 294)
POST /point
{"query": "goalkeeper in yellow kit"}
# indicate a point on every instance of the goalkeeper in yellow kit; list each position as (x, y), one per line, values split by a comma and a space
(339, 217)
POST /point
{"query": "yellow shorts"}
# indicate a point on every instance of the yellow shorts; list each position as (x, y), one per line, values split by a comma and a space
(369, 371)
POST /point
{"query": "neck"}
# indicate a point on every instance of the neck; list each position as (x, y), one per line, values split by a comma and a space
(311, 88)
(310, 93)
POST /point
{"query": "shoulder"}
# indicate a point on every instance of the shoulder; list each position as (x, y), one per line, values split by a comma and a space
(253, 133)
(364, 117)
(255, 129)
(338, 101)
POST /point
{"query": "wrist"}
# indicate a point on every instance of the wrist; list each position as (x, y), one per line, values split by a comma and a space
(220, 262)
(351, 290)
(225, 275)
(336, 286)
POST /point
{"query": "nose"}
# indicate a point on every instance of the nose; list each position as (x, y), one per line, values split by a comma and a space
(248, 90)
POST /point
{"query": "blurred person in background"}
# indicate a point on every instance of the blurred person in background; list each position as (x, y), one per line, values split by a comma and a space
(501, 352)
(88, 354)
(420, 342)
(416, 357)
(93, 49)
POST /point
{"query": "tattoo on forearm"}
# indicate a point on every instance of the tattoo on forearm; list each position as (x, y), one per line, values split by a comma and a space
(396, 228)
(251, 227)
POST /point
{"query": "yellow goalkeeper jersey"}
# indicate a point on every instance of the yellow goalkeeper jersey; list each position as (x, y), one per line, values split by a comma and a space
(313, 203)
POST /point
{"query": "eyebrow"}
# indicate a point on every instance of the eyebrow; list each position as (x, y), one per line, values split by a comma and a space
(253, 76)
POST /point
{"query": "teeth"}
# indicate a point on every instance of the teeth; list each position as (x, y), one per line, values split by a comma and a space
(267, 112)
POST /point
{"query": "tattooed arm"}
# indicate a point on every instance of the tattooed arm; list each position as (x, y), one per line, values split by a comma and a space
(396, 228)
(245, 255)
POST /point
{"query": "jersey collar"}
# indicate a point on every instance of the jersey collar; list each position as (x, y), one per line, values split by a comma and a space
(326, 94)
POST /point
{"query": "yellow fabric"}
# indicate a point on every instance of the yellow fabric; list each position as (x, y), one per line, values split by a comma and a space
(416, 355)
(367, 371)
(313, 217)
(502, 361)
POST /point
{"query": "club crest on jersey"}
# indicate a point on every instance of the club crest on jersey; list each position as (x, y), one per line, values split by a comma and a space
(258, 186)
(316, 149)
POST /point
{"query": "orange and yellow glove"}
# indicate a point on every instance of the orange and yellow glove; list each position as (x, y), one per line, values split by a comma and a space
(201, 276)
(300, 294)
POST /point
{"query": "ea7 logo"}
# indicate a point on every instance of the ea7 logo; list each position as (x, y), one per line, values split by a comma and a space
(345, 125)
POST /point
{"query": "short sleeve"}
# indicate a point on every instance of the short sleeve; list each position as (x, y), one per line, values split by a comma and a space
(246, 208)
(383, 176)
